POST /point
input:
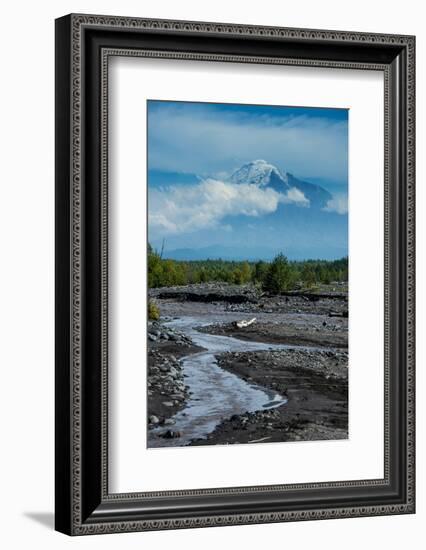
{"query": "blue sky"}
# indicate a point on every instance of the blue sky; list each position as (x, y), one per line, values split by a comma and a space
(210, 138)
(193, 148)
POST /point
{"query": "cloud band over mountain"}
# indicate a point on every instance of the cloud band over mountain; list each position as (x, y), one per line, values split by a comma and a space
(182, 209)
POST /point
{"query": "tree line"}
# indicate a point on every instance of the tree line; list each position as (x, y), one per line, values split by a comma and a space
(276, 276)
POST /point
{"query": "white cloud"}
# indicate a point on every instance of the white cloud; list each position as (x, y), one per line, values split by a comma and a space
(338, 204)
(295, 195)
(187, 208)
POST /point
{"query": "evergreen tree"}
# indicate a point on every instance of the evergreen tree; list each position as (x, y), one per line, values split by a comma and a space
(279, 276)
(260, 271)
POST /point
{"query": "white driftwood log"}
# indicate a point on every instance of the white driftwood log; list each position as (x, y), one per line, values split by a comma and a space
(244, 323)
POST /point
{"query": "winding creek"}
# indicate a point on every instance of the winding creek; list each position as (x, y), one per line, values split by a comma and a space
(216, 393)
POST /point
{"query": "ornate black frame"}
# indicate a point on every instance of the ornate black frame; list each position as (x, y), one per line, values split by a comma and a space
(83, 46)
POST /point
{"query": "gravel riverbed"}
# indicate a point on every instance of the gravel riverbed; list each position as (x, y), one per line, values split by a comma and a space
(167, 392)
(311, 373)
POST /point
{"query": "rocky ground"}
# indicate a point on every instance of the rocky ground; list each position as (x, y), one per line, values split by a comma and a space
(315, 383)
(331, 300)
(167, 392)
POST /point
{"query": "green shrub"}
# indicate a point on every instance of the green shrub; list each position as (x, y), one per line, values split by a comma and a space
(153, 311)
(260, 272)
(308, 276)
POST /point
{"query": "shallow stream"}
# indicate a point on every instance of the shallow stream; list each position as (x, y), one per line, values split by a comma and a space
(216, 394)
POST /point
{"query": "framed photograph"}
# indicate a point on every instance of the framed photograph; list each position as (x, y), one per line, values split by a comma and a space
(234, 274)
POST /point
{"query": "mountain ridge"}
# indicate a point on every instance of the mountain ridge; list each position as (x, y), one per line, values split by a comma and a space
(264, 174)
(253, 253)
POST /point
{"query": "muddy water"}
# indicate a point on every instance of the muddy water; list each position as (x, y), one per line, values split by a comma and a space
(216, 394)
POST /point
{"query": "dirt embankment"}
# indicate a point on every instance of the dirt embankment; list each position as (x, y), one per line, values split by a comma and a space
(316, 333)
(328, 300)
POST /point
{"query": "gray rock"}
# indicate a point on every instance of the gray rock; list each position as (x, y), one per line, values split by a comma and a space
(173, 372)
(170, 434)
(169, 422)
(179, 396)
(154, 419)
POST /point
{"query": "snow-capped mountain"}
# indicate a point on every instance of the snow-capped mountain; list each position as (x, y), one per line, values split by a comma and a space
(264, 174)
(261, 173)
(255, 231)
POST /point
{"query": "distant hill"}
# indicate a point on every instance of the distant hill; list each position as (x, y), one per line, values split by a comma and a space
(253, 254)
